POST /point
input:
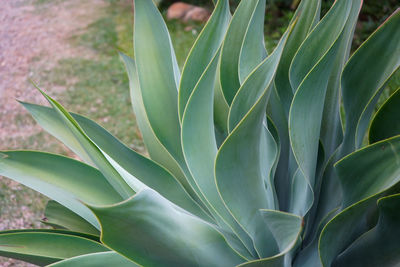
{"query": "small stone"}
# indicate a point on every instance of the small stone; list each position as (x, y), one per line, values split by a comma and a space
(178, 10)
(197, 14)
(187, 12)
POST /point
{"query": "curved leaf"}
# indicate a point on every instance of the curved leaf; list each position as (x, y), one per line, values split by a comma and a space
(158, 75)
(43, 248)
(386, 122)
(145, 170)
(156, 150)
(307, 14)
(203, 51)
(380, 245)
(359, 182)
(270, 148)
(221, 110)
(253, 47)
(137, 170)
(56, 214)
(154, 232)
(243, 17)
(286, 163)
(309, 256)
(286, 229)
(361, 86)
(238, 168)
(50, 121)
(200, 148)
(56, 231)
(304, 19)
(318, 42)
(305, 116)
(252, 89)
(109, 258)
(302, 195)
(347, 226)
(382, 177)
(75, 183)
(69, 124)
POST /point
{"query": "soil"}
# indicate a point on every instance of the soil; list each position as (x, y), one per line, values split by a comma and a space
(34, 35)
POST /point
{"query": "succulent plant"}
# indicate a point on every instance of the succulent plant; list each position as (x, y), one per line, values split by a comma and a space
(250, 160)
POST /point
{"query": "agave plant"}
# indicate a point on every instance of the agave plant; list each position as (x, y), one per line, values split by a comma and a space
(250, 161)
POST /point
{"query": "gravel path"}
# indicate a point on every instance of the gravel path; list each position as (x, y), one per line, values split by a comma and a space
(32, 37)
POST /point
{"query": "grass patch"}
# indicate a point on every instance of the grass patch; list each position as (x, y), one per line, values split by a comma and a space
(100, 92)
(46, 2)
(98, 88)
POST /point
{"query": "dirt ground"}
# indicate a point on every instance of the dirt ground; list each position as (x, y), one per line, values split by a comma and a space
(34, 35)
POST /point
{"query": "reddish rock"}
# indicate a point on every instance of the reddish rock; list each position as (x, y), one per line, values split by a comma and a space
(197, 14)
(186, 12)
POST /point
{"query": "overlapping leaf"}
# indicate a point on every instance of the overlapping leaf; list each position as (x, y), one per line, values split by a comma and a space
(137, 170)
(330, 192)
(390, 111)
(66, 123)
(152, 231)
(58, 216)
(109, 258)
(156, 150)
(158, 75)
(362, 187)
(309, 76)
(244, 16)
(203, 51)
(200, 150)
(307, 15)
(42, 248)
(361, 86)
(220, 168)
(75, 183)
(380, 245)
(238, 165)
(286, 229)
(359, 182)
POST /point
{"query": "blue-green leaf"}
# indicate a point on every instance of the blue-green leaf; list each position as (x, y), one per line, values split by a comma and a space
(153, 232)
(238, 165)
(243, 17)
(200, 148)
(361, 86)
(386, 122)
(359, 182)
(380, 245)
(109, 258)
(60, 216)
(286, 229)
(43, 248)
(66, 123)
(158, 75)
(203, 51)
(75, 183)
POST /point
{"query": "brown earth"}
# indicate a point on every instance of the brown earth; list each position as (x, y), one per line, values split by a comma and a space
(35, 37)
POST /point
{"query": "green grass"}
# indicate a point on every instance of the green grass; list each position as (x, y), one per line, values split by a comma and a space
(98, 87)
(45, 2)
